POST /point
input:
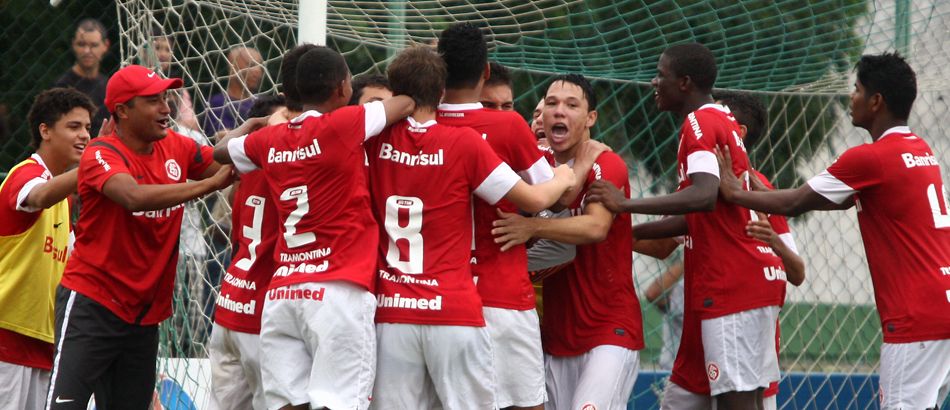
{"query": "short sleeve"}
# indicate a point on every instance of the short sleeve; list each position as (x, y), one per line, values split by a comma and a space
(699, 140)
(490, 178)
(374, 119)
(349, 123)
(20, 183)
(98, 164)
(858, 168)
(520, 150)
(200, 157)
(238, 151)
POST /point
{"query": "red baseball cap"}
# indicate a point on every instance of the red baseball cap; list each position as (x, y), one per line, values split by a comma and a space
(134, 80)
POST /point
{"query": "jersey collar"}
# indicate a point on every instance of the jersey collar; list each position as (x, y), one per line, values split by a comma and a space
(715, 106)
(39, 160)
(299, 119)
(416, 124)
(460, 107)
(900, 129)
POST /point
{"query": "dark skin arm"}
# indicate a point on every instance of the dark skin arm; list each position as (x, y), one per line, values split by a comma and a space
(698, 197)
(789, 202)
(664, 228)
(123, 190)
(656, 248)
(221, 153)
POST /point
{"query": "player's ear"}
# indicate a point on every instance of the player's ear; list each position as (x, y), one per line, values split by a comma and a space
(684, 83)
(486, 73)
(743, 130)
(591, 118)
(876, 102)
(44, 132)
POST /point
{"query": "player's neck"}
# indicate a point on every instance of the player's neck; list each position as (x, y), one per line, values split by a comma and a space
(462, 95)
(137, 145)
(91, 73)
(52, 161)
(423, 114)
(693, 101)
(324, 108)
(882, 124)
(566, 156)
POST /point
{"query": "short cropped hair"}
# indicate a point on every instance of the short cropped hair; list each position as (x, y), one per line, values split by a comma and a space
(320, 71)
(91, 24)
(265, 105)
(419, 73)
(51, 105)
(367, 80)
(463, 48)
(889, 74)
(749, 111)
(585, 85)
(499, 75)
(693, 60)
(288, 75)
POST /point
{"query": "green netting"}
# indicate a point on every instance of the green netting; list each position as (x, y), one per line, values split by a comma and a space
(796, 56)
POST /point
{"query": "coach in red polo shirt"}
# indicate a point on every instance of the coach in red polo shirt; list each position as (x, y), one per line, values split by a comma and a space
(118, 283)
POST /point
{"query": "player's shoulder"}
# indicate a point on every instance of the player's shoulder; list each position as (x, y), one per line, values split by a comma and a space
(610, 158)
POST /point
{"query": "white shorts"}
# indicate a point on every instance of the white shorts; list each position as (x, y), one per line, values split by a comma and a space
(913, 373)
(319, 343)
(235, 369)
(518, 358)
(740, 350)
(430, 367)
(676, 397)
(22, 387)
(601, 379)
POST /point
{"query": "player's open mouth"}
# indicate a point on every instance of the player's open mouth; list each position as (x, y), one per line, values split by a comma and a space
(539, 134)
(559, 132)
(80, 147)
(163, 122)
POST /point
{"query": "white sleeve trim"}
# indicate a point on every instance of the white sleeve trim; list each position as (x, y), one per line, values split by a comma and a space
(538, 172)
(375, 119)
(25, 192)
(240, 159)
(789, 241)
(830, 187)
(497, 184)
(702, 161)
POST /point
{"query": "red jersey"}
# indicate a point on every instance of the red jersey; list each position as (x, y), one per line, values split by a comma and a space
(126, 260)
(314, 167)
(905, 223)
(254, 234)
(732, 272)
(422, 177)
(593, 301)
(502, 277)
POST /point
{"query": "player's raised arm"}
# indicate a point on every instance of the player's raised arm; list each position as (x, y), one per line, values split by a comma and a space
(536, 198)
(221, 153)
(584, 161)
(125, 191)
(397, 108)
(790, 202)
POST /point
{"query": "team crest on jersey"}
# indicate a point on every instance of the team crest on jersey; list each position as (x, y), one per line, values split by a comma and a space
(589, 406)
(712, 371)
(173, 170)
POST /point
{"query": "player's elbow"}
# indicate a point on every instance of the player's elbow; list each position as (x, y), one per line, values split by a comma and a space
(221, 154)
(706, 204)
(597, 232)
(796, 275)
(534, 205)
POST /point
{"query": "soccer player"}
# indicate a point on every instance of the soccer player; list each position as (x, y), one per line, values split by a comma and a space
(119, 281)
(728, 274)
(234, 348)
(592, 327)
(34, 243)
(434, 349)
(896, 184)
(368, 88)
(497, 92)
(688, 388)
(317, 329)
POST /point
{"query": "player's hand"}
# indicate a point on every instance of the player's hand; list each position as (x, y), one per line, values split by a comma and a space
(221, 179)
(589, 150)
(252, 125)
(607, 194)
(728, 183)
(761, 230)
(755, 184)
(565, 174)
(280, 116)
(107, 128)
(512, 229)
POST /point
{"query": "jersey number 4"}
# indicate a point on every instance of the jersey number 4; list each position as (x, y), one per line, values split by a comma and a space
(411, 232)
(939, 206)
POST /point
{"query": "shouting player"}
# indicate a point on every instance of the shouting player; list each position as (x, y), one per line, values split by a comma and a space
(896, 184)
(730, 280)
(119, 281)
(317, 326)
(434, 349)
(34, 243)
(592, 328)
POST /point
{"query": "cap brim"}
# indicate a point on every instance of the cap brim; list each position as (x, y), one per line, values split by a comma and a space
(161, 85)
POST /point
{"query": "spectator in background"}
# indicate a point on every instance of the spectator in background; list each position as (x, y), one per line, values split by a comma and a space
(497, 93)
(370, 87)
(90, 44)
(157, 54)
(228, 110)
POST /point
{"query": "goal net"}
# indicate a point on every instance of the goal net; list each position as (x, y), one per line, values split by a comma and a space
(797, 57)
